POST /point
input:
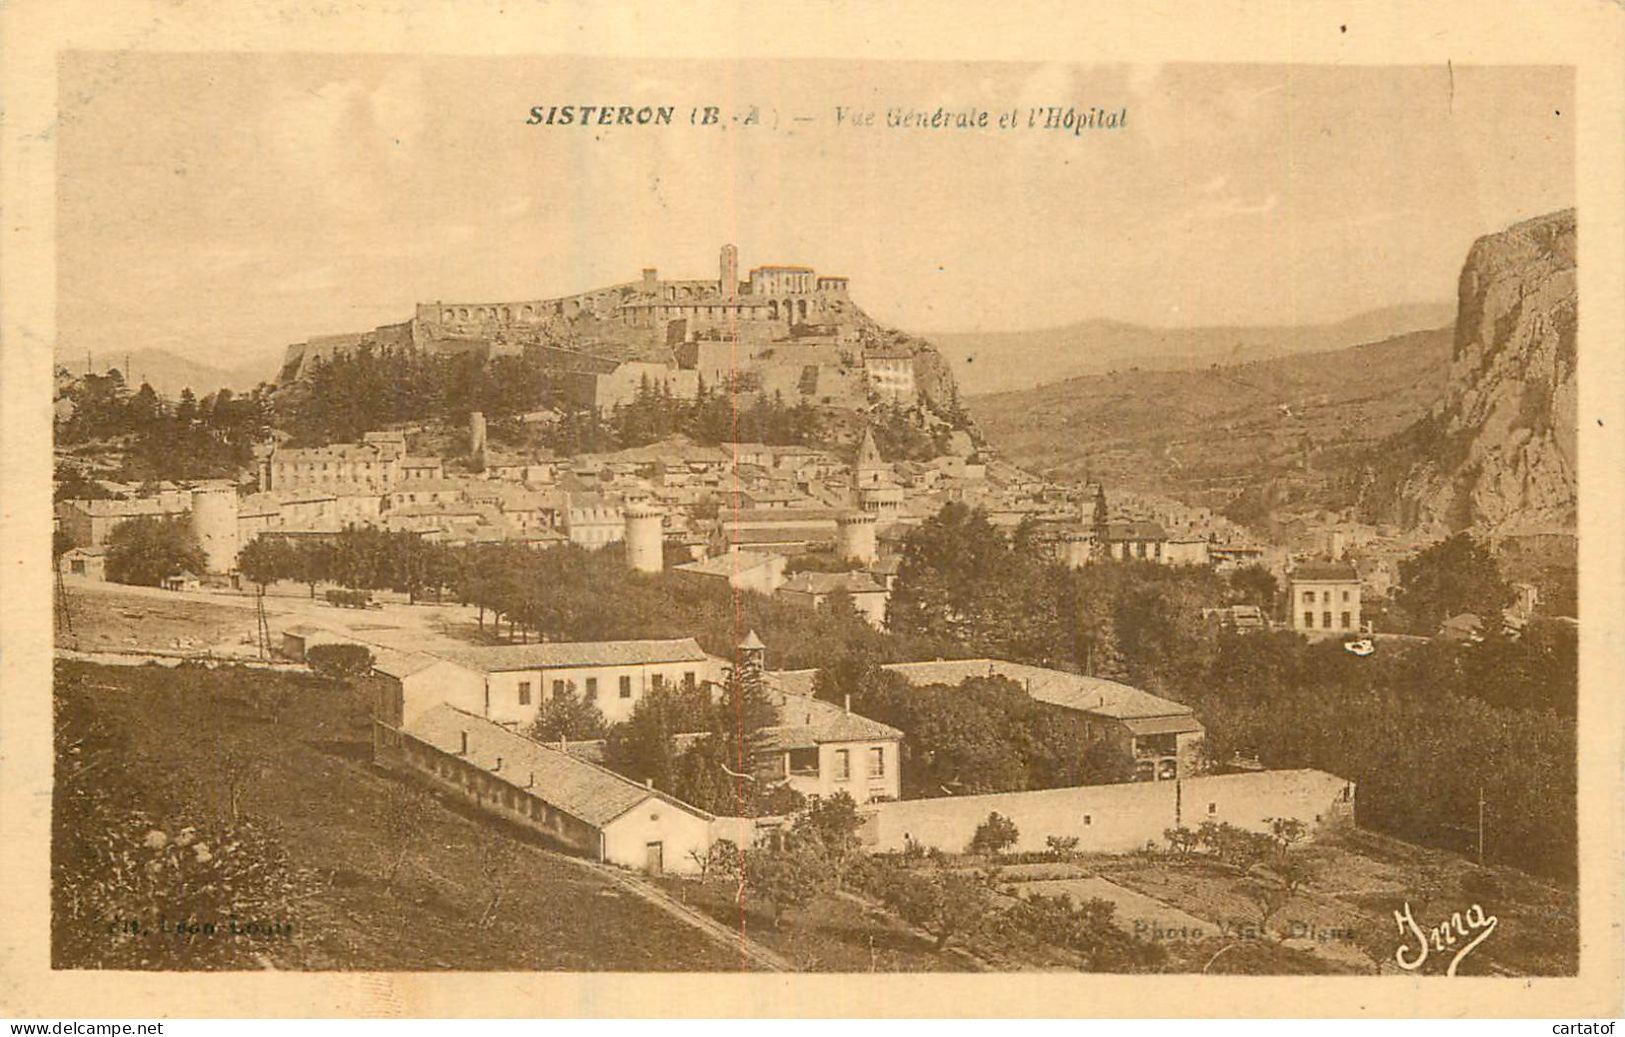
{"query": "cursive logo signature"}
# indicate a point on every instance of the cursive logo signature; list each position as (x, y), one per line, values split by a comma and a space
(1440, 938)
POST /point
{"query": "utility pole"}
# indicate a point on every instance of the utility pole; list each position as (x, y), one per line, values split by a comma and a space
(1481, 826)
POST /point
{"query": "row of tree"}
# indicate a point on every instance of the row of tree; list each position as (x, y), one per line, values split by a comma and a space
(184, 439)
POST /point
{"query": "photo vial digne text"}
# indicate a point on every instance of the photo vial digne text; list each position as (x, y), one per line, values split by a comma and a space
(846, 516)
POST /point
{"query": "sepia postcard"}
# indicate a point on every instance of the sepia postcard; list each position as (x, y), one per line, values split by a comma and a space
(663, 511)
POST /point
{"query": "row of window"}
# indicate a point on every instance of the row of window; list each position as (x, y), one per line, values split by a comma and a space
(1346, 621)
(1325, 596)
(656, 681)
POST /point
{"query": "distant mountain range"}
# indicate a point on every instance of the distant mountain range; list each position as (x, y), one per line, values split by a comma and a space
(169, 373)
(1250, 438)
(990, 362)
(1470, 425)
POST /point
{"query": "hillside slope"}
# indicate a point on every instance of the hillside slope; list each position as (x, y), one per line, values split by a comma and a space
(1497, 452)
(1005, 361)
(1241, 437)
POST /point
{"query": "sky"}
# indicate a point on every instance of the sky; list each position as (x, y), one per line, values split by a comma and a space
(222, 206)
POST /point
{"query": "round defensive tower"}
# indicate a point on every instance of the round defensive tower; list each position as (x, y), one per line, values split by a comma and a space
(214, 521)
(645, 540)
(857, 542)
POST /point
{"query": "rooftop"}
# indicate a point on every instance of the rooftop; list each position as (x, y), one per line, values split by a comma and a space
(1323, 571)
(832, 583)
(581, 789)
(1068, 690)
(550, 655)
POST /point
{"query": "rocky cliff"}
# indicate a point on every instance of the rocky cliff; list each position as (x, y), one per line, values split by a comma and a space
(1497, 452)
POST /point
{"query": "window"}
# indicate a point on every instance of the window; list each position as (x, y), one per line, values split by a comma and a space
(689, 679)
(1345, 595)
(803, 762)
(1326, 620)
(558, 689)
(877, 762)
(626, 687)
(1326, 596)
(1088, 819)
(1213, 808)
(592, 689)
(524, 693)
(657, 681)
(1309, 619)
(1345, 621)
(843, 764)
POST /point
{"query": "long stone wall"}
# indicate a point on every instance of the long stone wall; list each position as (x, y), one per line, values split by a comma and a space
(1118, 818)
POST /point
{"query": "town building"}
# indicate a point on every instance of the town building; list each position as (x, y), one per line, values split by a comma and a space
(509, 684)
(88, 523)
(1324, 598)
(578, 805)
(889, 372)
(89, 562)
(753, 571)
(820, 749)
(815, 589)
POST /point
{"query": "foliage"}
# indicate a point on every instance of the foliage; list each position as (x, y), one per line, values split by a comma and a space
(945, 904)
(994, 835)
(985, 735)
(567, 714)
(119, 870)
(1086, 929)
(190, 439)
(830, 828)
(147, 549)
(339, 661)
(785, 879)
(1454, 576)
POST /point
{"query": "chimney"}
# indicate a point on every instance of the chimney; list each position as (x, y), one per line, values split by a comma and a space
(464, 750)
(849, 705)
(531, 782)
(648, 783)
(498, 767)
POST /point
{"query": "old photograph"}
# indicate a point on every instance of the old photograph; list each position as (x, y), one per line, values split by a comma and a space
(589, 514)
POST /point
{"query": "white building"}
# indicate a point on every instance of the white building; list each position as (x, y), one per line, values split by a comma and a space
(509, 683)
(1325, 598)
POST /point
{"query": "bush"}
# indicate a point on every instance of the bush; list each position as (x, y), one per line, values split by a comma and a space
(1062, 847)
(340, 661)
(994, 835)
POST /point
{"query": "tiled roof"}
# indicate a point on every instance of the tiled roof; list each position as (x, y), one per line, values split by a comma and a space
(727, 564)
(579, 788)
(831, 583)
(1323, 571)
(1135, 531)
(1068, 690)
(560, 654)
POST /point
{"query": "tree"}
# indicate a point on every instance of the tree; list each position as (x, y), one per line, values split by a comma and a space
(146, 550)
(339, 661)
(995, 835)
(1454, 576)
(407, 809)
(1266, 897)
(264, 560)
(568, 715)
(786, 879)
(830, 827)
(944, 904)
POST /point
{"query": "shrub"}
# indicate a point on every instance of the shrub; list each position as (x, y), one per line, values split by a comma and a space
(1062, 847)
(340, 660)
(994, 835)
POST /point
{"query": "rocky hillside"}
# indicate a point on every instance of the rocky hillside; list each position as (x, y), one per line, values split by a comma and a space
(1496, 453)
(1250, 438)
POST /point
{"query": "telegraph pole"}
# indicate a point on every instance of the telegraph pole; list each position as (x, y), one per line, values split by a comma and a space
(1481, 826)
